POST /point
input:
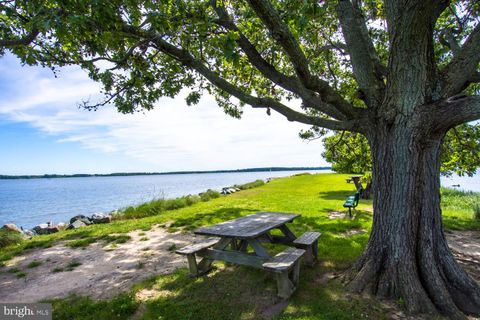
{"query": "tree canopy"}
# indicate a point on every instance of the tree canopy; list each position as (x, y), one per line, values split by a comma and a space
(350, 152)
(402, 73)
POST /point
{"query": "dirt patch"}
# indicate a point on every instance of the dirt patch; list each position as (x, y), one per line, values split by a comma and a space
(336, 215)
(465, 247)
(98, 271)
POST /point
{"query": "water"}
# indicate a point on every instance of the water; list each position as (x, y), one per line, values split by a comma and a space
(462, 183)
(28, 202)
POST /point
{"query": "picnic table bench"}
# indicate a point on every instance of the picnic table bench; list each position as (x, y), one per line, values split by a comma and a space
(234, 238)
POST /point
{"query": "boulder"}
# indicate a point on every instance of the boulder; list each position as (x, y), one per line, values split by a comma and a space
(28, 233)
(45, 228)
(100, 218)
(82, 218)
(12, 227)
(77, 224)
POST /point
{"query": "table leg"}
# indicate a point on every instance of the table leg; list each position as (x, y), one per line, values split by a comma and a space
(257, 247)
(205, 265)
(287, 232)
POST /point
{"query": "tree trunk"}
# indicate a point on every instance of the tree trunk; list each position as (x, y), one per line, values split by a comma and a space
(407, 257)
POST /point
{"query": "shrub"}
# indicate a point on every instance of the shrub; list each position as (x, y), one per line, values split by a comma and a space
(476, 211)
(250, 185)
(8, 238)
(209, 194)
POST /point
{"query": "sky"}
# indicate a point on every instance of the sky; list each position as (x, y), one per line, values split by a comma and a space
(42, 131)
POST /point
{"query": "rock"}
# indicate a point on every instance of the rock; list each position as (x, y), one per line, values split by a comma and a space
(77, 224)
(12, 227)
(45, 228)
(62, 225)
(82, 218)
(100, 218)
(28, 233)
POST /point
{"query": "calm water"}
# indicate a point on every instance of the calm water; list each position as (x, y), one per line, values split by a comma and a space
(32, 201)
(28, 202)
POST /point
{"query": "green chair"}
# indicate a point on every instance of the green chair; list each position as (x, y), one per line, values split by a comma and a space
(352, 202)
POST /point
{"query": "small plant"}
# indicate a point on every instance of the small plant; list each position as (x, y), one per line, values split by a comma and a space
(21, 275)
(172, 247)
(120, 238)
(476, 211)
(82, 243)
(146, 249)
(57, 269)
(8, 238)
(141, 265)
(72, 265)
(34, 264)
(14, 270)
(142, 234)
(144, 239)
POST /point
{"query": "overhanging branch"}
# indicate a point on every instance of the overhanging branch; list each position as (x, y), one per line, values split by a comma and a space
(23, 41)
(284, 37)
(454, 111)
(292, 84)
(458, 74)
(189, 61)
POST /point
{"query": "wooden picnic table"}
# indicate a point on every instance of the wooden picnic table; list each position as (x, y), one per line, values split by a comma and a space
(232, 239)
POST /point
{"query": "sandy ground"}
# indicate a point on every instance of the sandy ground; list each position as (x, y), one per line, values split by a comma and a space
(104, 272)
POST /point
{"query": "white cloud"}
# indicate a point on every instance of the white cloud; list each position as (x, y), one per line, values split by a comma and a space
(170, 137)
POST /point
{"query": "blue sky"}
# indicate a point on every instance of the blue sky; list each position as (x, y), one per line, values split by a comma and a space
(43, 131)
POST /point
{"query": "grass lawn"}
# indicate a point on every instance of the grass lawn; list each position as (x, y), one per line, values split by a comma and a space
(240, 292)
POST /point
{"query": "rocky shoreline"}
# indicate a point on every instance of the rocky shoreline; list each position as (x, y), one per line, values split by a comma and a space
(76, 222)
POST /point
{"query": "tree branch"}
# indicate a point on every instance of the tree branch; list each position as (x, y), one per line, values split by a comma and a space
(368, 69)
(270, 72)
(282, 34)
(454, 111)
(458, 74)
(189, 61)
(25, 40)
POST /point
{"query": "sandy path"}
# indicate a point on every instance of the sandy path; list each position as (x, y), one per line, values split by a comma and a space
(103, 272)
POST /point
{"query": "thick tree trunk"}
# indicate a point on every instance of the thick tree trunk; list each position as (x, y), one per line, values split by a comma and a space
(407, 257)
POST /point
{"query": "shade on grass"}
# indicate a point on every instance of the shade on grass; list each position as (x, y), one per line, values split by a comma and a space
(246, 293)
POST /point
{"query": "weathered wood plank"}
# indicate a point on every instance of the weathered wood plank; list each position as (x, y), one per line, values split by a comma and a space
(193, 248)
(250, 226)
(259, 250)
(308, 238)
(284, 260)
(241, 258)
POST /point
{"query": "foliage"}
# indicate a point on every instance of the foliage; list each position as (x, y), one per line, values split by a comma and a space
(250, 185)
(220, 295)
(476, 211)
(8, 238)
(350, 152)
(121, 307)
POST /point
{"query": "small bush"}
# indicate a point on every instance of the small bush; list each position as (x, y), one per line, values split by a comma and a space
(250, 185)
(476, 211)
(34, 264)
(209, 195)
(8, 238)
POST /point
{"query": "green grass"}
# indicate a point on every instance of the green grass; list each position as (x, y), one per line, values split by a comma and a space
(221, 295)
(34, 264)
(9, 238)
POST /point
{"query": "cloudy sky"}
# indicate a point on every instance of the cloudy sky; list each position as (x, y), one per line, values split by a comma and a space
(43, 131)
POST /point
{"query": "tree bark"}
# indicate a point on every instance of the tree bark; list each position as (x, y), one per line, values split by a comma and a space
(407, 257)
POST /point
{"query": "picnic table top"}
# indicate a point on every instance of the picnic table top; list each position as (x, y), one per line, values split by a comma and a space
(250, 226)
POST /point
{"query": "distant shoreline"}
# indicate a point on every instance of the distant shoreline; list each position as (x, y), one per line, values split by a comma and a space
(125, 174)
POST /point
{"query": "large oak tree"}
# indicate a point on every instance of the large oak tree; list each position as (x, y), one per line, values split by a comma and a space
(399, 72)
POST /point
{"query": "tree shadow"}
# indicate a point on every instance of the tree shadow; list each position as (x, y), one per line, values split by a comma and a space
(336, 195)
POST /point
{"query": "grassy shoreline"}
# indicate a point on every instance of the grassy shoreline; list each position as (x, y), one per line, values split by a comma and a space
(313, 196)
